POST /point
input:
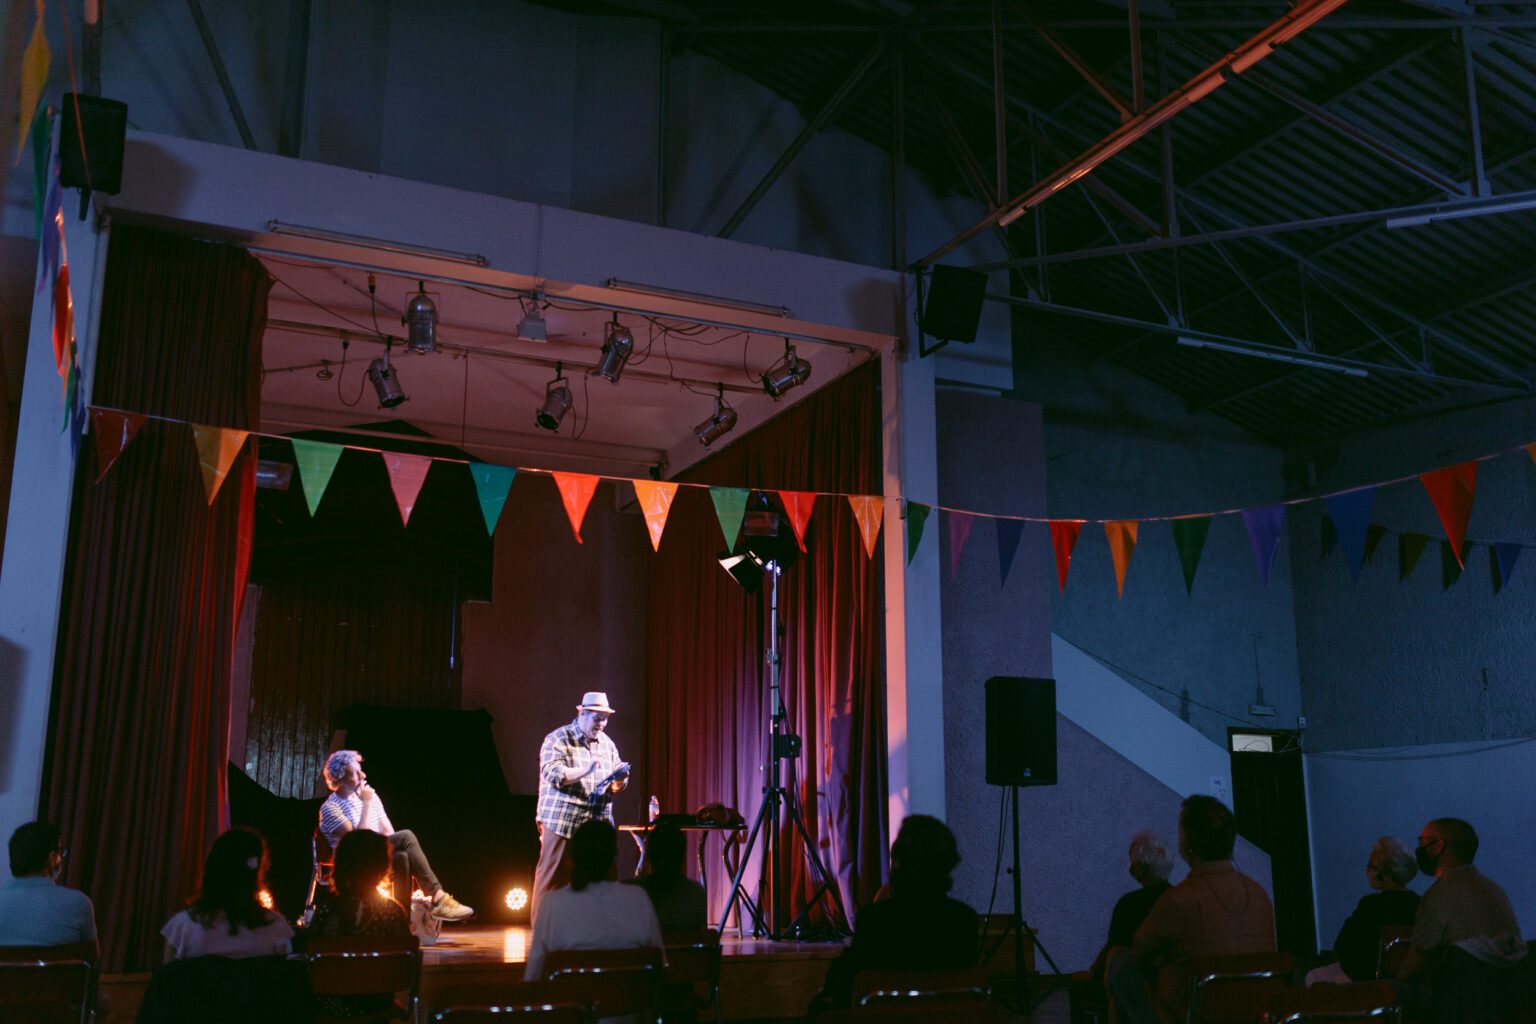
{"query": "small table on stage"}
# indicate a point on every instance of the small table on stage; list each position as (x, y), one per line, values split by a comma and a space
(640, 833)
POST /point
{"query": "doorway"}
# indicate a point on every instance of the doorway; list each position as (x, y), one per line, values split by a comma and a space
(1269, 798)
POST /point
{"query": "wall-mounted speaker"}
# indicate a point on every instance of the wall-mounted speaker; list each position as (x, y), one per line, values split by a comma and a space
(91, 135)
(952, 311)
(1021, 731)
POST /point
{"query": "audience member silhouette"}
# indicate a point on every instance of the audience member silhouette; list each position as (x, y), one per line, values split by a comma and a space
(34, 909)
(679, 901)
(227, 918)
(1388, 871)
(1150, 864)
(358, 908)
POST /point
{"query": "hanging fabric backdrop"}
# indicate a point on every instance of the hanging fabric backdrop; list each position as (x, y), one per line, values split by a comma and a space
(707, 705)
(139, 731)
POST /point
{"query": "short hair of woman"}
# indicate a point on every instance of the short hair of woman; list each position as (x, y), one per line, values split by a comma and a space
(1152, 855)
(1393, 859)
(594, 848)
(665, 851)
(233, 877)
(924, 857)
(362, 859)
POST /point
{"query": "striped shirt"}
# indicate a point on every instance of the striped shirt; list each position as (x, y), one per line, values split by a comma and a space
(341, 810)
(565, 808)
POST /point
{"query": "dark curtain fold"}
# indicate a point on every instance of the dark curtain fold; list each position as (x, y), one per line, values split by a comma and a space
(139, 730)
(707, 684)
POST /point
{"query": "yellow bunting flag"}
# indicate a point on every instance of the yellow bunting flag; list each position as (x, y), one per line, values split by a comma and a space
(655, 502)
(216, 451)
(406, 475)
(798, 505)
(576, 491)
(868, 510)
(34, 78)
(1122, 544)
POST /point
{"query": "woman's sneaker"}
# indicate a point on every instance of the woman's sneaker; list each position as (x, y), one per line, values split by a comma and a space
(446, 908)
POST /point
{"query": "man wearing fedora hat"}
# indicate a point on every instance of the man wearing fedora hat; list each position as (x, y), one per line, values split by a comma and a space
(579, 771)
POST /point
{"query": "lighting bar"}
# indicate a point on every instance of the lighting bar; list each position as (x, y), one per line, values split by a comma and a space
(1275, 355)
(277, 227)
(1456, 211)
(708, 300)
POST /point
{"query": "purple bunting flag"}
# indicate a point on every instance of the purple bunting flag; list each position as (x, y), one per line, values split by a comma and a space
(1264, 528)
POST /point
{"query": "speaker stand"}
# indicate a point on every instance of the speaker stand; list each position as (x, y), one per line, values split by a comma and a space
(1017, 925)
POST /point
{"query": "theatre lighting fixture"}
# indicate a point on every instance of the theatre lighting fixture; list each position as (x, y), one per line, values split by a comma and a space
(789, 372)
(618, 344)
(420, 321)
(557, 402)
(385, 381)
(1278, 356)
(743, 569)
(718, 425)
(517, 898)
(532, 326)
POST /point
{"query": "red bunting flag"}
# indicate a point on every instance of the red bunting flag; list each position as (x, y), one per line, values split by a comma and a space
(1122, 544)
(63, 325)
(1064, 538)
(960, 524)
(1452, 490)
(113, 431)
(868, 510)
(406, 475)
(798, 505)
(576, 490)
(655, 504)
(1530, 450)
(217, 448)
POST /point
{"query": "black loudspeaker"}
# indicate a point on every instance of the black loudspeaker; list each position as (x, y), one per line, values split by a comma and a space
(102, 124)
(953, 309)
(1021, 731)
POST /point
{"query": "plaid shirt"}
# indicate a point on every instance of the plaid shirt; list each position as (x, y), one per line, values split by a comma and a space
(566, 808)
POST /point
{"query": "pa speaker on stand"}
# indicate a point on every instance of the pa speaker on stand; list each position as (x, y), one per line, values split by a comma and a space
(92, 132)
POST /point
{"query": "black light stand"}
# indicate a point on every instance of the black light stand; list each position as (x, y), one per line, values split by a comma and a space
(1018, 926)
(782, 745)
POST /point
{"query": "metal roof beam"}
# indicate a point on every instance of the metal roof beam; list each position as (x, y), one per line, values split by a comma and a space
(1100, 85)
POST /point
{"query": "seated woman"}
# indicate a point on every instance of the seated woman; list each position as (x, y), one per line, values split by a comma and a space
(918, 927)
(679, 901)
(595, 912)
(1389, 870)
(1150, 863)
(226, 917)
(358, 908)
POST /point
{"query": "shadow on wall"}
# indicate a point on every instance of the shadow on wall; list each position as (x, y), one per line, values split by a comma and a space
(13, 661)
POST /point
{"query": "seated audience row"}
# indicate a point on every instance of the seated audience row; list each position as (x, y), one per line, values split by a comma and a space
(35, 910)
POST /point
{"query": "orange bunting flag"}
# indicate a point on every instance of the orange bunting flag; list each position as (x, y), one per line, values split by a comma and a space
(868, 510)
(798, 505)
(1452, 490)
(113, 431)
(1530, 450)
(406, 475)
(655, 502)
(1122, 544)
(576, 491)
(34, 78)
(1064, 538)
(216, 451)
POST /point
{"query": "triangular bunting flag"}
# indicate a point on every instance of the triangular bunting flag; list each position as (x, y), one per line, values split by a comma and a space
(960, 524)
(1373, 535)
(1450, 564)
(1452, 490)
(113, 431)
(1189, 535)
(1409, 547)
(798, 505)
(576, 490)
(1350, 514)
(1008, 533)
(730, 508)
(63, 325)
(917, 515)
(216, 451)
(34, 77)
(1503, 555)
(1121, 535)
(868, 510)
(492, 482)
(1328, 538)
(1264, 528)
(655, 503)
(42, 148)
(1063, 539)
(316, 461)
(1530, 450)
(406, 475)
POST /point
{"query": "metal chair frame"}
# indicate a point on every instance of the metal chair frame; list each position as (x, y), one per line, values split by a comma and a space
(55, 960)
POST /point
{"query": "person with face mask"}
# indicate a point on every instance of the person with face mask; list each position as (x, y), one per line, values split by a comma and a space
(34, 909)
(1463, 909)
(1388, 871)
(579, 773)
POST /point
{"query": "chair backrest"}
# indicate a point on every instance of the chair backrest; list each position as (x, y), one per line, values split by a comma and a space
(1236, 989)
(693, 958)
(957, 1011)
(612, 991)
(1363, 1001)
(358, 965)
(537, 1013)
(882, 986)
(1392, 944)
(52, 983)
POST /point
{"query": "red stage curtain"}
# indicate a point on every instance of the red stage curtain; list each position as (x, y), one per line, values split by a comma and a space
(139, 733)
(707, 684)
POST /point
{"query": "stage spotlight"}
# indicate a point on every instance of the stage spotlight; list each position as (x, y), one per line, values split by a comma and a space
(386, 382)
(743, 569)
(557, 402)
(420, 321)
(617, 347)
(517, 899)
(789, 372)
(717, 426)
(265, 899)
(532, 326)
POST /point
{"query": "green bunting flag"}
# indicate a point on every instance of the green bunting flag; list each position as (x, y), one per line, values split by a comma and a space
(1189, 537)
(1409, 547)
(491, 485)
(1373, 535)
(316, 461)
(1450, 563)
(917, 515)
(730, 507)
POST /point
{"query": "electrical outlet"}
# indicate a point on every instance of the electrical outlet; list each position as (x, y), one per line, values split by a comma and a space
(1301, 721)
(1220, 790)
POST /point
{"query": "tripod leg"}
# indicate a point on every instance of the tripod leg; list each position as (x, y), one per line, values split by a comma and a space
(741, 870)
(823, 876)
